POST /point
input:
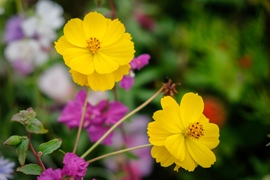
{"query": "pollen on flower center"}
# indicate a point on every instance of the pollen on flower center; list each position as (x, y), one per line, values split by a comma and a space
(195, 130)
(93, 45)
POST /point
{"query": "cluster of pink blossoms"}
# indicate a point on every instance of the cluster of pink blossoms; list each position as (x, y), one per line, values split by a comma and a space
(97, 119)
(74, 167)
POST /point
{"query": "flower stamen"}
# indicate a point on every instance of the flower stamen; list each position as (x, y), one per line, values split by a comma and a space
(93, 45)
(195, 130)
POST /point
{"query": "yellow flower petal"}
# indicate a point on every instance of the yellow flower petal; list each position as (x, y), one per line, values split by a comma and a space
(120, 72)
(79, 78)
(74, 33)
(175, 144)
(121, 52)
(211, 135)
(101, 82)
(200, 153)
(162, 155)
(104, 64)
(95, 25)
(203, 119)
(79, 64)
(158, 115)
(62, 44)
(170, 102)
(157, 134)
(188, 163)
(191, 108)
(114, 32)
(170, 120)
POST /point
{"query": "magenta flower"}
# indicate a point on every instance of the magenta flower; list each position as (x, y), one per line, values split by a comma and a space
(13, 29)
(50, 174)
(98, 119)
(139, 62)
(136, 64)
(127, 81)
(74, 166)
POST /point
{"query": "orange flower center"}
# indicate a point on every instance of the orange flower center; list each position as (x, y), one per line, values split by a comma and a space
(93, 45)
(195, 130)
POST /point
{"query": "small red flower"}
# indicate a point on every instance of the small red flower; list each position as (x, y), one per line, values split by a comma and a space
(214, 110)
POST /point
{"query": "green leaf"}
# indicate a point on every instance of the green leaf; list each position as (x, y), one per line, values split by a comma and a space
(268, 144)
(14, 140)
(35, 126)
(24, 115)
(21, 150)
(30, 169)
(50, 146)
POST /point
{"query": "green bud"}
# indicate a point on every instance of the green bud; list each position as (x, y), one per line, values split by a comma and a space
(14, 140)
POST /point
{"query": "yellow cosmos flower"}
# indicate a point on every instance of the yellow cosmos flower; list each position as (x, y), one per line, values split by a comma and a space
(97, 50)
(182, 135)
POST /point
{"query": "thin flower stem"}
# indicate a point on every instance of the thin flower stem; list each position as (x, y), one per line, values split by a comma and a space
(81, 123)
(34, 152)
(113, 9)
(118, 152)
(122, 130)
(120, 121)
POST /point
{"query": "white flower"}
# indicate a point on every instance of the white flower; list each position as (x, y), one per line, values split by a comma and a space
(96, 96)
(56, 83)
(6, 168)
(43, 25)
(50, 14)
(26, 52)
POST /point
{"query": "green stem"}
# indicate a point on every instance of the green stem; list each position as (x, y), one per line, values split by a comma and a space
(19, 5)
(118, 152)
(35, 153)
(119, 122)
(81, 123)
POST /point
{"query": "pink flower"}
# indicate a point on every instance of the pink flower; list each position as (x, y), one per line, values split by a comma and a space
(50, 174)
(97, 120)
(136, 64)
(139, 62)
(74, 166)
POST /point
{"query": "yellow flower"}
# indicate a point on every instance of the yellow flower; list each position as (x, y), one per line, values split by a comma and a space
(97, 50)
(182, 135)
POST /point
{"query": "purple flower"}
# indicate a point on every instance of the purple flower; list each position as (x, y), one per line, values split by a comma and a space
(72, 112)
(136, 64)
(97, 120)
(139, 62)
(6, 168)
(74, 166)
(13, 30)
(50, 174)
(127, 81)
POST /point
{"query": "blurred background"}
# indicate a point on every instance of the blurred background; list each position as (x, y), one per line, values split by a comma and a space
(217, 48)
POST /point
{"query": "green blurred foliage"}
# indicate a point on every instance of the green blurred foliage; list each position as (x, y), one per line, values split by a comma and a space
(213, 47)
